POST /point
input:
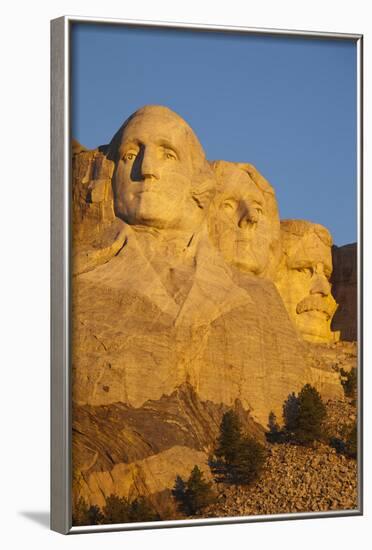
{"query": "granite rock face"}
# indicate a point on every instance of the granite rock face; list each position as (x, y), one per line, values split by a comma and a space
(169, 330)
(344, 289)
(117, 439)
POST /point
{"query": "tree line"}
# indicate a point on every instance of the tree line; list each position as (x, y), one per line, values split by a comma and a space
(237, 458)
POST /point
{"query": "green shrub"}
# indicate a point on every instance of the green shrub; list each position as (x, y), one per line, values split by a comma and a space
(349, 381)
(347, 444)
(351, 443)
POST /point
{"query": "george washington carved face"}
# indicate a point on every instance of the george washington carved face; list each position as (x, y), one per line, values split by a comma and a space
(161, 177)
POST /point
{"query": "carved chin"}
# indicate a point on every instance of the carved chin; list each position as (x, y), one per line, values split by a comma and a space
(248, 261)
(314, 326)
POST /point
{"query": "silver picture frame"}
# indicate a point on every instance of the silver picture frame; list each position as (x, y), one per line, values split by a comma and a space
(61, 463)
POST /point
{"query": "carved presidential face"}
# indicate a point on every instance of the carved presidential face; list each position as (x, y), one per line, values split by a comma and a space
(154, 172)
(303, 279)
(241, 223)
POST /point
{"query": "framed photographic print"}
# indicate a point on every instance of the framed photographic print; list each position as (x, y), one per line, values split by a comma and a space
(206, 274)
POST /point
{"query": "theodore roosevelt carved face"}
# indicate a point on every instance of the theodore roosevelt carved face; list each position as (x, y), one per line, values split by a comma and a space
(303, 278)
(244, 219)
(161, 177)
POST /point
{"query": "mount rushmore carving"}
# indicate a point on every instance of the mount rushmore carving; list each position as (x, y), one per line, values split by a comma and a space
(184, 276)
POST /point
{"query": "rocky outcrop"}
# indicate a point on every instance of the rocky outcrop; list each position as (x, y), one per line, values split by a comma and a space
(147, 446)
(294, 479)
(97, 232)
(231, 339)
(167, 334)
(344, 289)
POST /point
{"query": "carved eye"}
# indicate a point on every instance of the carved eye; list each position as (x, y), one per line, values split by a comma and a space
(131, 155)
(308, 271)
(170, 155)
(228, 205)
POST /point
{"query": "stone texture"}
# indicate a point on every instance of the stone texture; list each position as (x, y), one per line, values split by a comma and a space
(295, 479)
(97, 232)
(303, 279)
(344, 290)
(167, 331)
(244, 219)
(110, 435)
(150, 476)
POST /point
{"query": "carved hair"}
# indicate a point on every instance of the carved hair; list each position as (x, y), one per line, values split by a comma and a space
(203, 181)
(271, 206)
(300, 228)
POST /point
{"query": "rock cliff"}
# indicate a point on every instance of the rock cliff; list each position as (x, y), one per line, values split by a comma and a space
(167, 334)
(344, 290)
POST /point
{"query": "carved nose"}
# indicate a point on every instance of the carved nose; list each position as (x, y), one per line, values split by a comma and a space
(149, 168)
(247, 216)
(320, 285)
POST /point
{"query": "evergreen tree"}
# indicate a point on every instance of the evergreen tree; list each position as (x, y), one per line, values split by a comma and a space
(199, 493)
(290, 412)
(311, 415)
(142, 510)
(230, 436)
(274, 433)
(179, 493)
(84, 515)
(80, 513)
(349, 382)
(248, 461)
(116, 510)
(351, 444)
(273, 425)
(243, 456)
(95, 515)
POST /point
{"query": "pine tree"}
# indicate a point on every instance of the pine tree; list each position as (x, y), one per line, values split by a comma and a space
(273, 425)
(230, 436)
(290, 412)
(95, 515)
(199, 492)
(248, 461)
(84, 515)
(80, 513)
(116, 510)
(142, 510)
(243, 456)
(179, 493)
(274, 433)
(311, 415)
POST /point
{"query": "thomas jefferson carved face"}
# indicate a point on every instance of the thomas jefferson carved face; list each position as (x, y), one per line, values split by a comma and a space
(303, 279)
(158, 161)
(244, 221)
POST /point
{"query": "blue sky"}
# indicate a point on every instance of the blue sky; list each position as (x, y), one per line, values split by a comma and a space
(284, 104)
